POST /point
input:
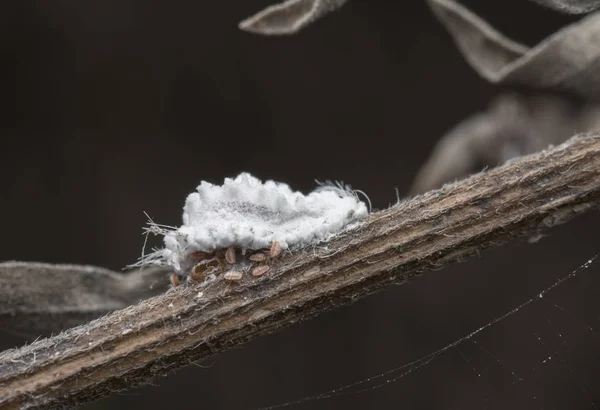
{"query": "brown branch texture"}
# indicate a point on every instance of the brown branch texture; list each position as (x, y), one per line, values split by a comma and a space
(131, 346)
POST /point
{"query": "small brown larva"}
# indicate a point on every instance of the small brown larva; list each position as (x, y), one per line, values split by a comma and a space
(258, 257)
(260, 270)
(233, 275)
(230, 255)
(275, 250)
(174, 280)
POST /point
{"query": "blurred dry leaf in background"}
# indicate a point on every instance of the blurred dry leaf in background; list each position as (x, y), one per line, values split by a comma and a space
(571, 6)
(566, 62)
(513, 125)
(42, 297)
(289, 16)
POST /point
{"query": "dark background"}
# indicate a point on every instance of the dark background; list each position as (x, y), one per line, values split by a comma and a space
(111, 108)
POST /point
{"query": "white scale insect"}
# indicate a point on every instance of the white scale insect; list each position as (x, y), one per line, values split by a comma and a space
(247, 214)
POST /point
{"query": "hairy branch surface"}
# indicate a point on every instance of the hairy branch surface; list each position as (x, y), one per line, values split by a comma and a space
(131, 346)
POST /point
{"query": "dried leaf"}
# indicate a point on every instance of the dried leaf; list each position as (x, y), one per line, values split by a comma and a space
(568, 60)
(513, 126)
(571, 6)
(288, 17)
(51, 297)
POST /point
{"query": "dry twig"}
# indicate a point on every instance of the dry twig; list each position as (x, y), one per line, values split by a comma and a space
(133, 345)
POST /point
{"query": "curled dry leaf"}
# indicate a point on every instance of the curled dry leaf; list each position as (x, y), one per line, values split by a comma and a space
(289, 16)
(566, 61)
(514, 125)
(571, 6)
(46, 297)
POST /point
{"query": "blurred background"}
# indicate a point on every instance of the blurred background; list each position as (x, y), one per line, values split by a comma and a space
(113, 108)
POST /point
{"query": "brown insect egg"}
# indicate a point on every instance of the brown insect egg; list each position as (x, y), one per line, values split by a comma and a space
(260, 270)
(230, 255)
(275, 250)
(233, 275)
(258, 257)
(174, 280)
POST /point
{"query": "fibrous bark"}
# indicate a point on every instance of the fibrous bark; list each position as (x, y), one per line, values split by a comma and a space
(131, 346)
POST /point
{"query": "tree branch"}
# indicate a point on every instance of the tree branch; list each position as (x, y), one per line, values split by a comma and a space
(131, 346)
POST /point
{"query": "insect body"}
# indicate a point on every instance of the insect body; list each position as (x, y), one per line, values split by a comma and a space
(260, 270)
(230, 255)
(222, 222)
(233, 275)
(258, 257)
(275, 250)
(213, 263)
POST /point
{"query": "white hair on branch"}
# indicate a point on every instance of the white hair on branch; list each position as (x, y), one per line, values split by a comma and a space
(247, 213)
